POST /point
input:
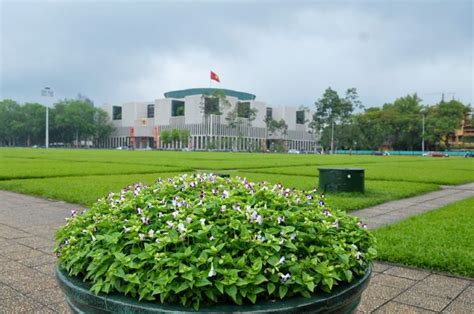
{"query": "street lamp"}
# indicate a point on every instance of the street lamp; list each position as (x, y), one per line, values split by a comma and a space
(423, 134)
(47, 92)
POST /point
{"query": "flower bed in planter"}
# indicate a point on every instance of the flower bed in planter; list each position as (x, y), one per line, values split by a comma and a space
(203, 240)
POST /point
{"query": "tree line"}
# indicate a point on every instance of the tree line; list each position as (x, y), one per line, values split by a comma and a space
(72, 122)
(397, 125)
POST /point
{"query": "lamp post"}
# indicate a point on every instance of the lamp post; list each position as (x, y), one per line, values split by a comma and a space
(423, 134)
(47, 92)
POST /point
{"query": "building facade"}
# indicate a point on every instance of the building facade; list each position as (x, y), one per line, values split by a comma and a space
(210, 118)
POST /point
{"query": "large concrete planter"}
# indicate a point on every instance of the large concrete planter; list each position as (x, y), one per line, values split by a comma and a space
(343, 299)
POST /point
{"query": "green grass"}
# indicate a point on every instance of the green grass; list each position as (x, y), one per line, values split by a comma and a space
(441, 240)
(84, 190)
(81, 176)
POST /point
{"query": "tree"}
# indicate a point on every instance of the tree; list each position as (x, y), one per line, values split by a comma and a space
(332, 110)
(184, 137)
(10, 122)
(443, 120)
(165, 137)
(33, 123)
(103, 125)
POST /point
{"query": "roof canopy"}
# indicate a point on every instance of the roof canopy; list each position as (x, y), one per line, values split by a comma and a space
(208, 91)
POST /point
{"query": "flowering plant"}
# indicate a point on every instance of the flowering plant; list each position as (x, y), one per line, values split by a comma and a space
(201, 239)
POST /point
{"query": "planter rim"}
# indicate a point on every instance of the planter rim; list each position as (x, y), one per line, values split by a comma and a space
(81, 290)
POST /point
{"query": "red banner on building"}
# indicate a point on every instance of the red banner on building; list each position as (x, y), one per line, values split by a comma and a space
(132, 137)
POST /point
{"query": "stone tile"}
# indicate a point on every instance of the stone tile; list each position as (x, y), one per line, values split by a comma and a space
(459, 307)
(48, 296)
(392, 281)
(61, 307)
(35, 242)
(395, 307)
(467, 296)
(38, 260)
(423, 300)
(368, 304)
(47, 269)
(379, 291)
(7, 292)
(11, 266)
(22, 255)
(21, 304)
(441, 286)
(14, 247)
(408, 273)
(12, 233)
(381, 267)
(27, 281)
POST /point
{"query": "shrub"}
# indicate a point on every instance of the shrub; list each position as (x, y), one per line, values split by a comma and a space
(202, 239)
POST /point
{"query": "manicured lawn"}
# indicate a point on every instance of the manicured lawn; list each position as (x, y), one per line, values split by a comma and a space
(442, 240)
(81, 176)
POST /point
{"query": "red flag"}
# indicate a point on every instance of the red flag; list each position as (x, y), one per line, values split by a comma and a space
(215, 77)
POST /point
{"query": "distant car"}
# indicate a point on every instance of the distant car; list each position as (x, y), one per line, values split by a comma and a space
(293, 151)
(435, 154)
(469, 155)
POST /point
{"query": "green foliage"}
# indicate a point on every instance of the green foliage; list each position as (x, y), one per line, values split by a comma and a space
(69, 120)
(443, 120)
(441, 240)
(202, 239)
(165, 137)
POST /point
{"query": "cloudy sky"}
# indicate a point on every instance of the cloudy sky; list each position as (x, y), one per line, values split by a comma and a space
(287, 53)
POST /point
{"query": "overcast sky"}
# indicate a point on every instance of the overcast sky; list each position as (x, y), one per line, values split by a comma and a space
(286, 53)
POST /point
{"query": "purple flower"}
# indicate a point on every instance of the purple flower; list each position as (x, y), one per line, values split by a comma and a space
(336, 224)
(73, 212)
(259, 219)
(280, 219)
(321, 203)
(326, 213)
(145, 220)
(309, 197)
(225, 194)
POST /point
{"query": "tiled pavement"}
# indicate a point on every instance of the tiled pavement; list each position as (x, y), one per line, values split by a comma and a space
(27, 283)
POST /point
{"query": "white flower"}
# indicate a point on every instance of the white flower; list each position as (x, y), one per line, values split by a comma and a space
(141, 236)
(93, 238)
(335, 224)
(160, 215)
(293, 236)
(223, 207)
(358, 255)
(211, 238)
(189, 220)
(175, 214)
(285, 277)
(212, 272)
(170, 224)
(225, 194)
(181, 228)
(259, 219)
(281, 261)
(151, 233)
(126, 229)
(280, 219)
(202, 221)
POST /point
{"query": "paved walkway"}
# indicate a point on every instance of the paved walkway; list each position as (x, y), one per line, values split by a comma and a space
(392, 212)
(27, 283)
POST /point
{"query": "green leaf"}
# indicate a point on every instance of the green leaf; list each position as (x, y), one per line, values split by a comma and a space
(259, 279)
(219, 287)
(282, 291)
(273, 260)
(232, 292)
(201, 282)
(252, 297)
(270, 287)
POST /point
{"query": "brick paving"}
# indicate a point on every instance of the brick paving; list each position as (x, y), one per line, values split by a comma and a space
(27, 283)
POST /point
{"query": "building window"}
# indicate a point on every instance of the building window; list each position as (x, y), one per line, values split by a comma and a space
(177, 108)
(150, 111)
(211, 105)
(117, 113)
(269, 115)
(300, 117)
(243, 109)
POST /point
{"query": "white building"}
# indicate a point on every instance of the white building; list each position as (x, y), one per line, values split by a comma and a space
(218, 119)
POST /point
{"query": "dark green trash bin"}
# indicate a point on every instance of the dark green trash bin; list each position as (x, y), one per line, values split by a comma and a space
(341, 180)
